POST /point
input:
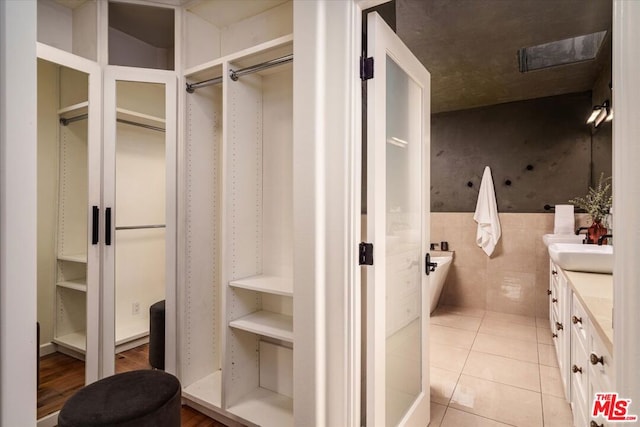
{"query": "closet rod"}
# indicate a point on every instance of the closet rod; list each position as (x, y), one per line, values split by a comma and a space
(139, 227)
(235, 74)
(65, 122)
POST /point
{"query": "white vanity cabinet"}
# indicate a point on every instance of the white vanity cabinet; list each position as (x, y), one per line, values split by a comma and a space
(559, 308)
(585, 361)
(579, 370)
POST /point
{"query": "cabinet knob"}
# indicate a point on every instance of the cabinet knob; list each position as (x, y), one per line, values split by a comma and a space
(594, 359)
(559, 326)
(548, 291)
(575, 369)
(595, 424)
(554, 335)
(576, 319)
(554, 300)
(554, 272)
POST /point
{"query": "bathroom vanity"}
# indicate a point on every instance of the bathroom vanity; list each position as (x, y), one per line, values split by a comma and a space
(580, 312)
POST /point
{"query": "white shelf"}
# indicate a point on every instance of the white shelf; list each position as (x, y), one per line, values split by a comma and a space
(254, 55)
(76, 341)
(268, 284)
(265, 408)
(206, 391)
(132, 330)
(274, 325)
(74, 110)
(77, 285)
(73, 257)
(141, 118)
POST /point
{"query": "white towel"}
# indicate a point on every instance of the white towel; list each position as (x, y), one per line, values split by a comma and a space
(486, 215)
(564, 221)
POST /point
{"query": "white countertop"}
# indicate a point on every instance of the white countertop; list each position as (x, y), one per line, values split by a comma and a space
(595, 292)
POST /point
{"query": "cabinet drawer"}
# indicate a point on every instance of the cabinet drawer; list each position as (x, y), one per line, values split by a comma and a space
(601, 365)
(579, 372)
(579, 322)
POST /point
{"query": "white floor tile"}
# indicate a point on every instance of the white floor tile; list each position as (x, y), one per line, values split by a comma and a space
(500, 402)
(522, 350)
(457, 418)
(503, 370)
(442, 385)
(451, 336)
(508, 330)
(447, 357)
(464, 311)
(511, 318)
(547, 355)
(544, 335)
(550, 381)
(437, 414)
(452, 320)
(557, 412)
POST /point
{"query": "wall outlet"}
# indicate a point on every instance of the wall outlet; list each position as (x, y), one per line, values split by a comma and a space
(135, 308)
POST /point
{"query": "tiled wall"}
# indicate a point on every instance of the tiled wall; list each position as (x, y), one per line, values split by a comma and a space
(516, 277)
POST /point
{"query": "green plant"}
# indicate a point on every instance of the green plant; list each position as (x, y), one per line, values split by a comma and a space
(598, 200)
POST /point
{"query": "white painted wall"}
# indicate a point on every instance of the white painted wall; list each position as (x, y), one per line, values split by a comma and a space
(326, 198)
(626, 199)
(18, 218)
(55, 24)
(130, 51)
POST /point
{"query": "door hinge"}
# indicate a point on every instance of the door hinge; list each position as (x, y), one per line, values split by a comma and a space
(366, 68)
(366, 254)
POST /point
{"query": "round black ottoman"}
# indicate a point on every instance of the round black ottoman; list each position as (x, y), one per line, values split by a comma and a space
(145, 398)
(156, 335)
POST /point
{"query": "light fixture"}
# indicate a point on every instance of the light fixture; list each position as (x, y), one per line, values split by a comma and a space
(600, 113)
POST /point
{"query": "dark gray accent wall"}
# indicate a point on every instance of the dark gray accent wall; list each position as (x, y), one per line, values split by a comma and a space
(547, 135)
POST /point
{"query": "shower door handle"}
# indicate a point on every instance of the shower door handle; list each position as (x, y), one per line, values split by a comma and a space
(428, 265)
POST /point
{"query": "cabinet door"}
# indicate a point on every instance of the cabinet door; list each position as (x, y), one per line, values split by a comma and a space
(140, 207)
(398, 206)
(69, 169)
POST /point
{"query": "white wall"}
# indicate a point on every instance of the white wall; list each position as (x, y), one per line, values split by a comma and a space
(326, 197)
(626, 199)
(18, 221)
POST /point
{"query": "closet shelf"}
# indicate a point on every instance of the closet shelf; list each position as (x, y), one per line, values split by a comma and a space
(265, 408)
(141, 118)
(77, 285)
(73, 257)
(268, 284)
(206, 391)
(254, 55)
(74, 110)
(274, 325)
(75, 341)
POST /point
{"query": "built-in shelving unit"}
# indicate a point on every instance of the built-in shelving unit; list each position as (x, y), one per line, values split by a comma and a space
(78, 285)
(237, 358)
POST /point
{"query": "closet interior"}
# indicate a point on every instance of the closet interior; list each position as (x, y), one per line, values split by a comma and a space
(215, 241)
(239, 207)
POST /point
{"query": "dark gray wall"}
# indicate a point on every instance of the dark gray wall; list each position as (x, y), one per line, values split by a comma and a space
(547, 134)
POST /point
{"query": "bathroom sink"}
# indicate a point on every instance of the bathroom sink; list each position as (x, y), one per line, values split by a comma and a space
(562, 238)
(579, 257)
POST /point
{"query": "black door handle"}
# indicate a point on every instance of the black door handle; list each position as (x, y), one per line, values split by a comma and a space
(107, 227)
(428, 265)
(95, 231)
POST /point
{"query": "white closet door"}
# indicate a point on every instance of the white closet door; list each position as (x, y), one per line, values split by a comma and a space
(398, 226)
(140, 204)
(77, 273)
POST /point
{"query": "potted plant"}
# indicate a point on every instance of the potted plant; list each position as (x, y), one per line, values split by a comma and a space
(597, 204)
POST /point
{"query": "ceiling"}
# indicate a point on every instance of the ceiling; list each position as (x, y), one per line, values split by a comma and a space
(470, 47)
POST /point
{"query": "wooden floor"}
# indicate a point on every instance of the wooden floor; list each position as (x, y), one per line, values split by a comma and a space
(61, 376)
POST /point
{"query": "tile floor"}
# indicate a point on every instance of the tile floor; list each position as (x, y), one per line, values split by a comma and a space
(493, 369)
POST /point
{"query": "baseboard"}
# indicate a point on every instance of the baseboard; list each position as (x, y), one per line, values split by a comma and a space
(47, 348)
(50, 420)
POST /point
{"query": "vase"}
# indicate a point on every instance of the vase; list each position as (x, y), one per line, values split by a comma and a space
(595, 231)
